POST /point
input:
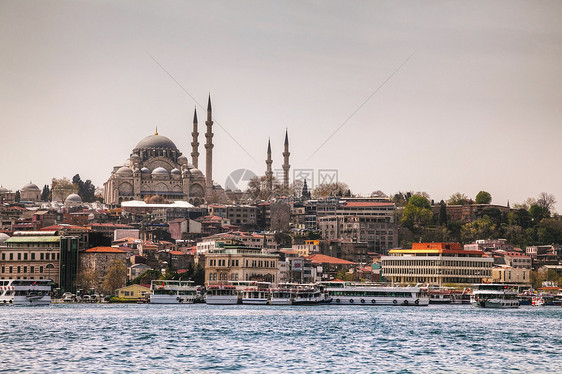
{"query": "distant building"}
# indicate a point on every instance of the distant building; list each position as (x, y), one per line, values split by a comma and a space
(99, 260)
(30, 192)
(510, 275)
(436, 264)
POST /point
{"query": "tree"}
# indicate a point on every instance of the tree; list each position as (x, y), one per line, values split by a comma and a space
(147, 277)
(115, 278)
(86, 279)
(549, 231)
(482, 228)
(538, 212)
(305, 192)
(86, 189)
(483, 197)
(417, 213)
(331, 189)
(458, 199)
(378, 193)
(443, 218)
(546, 201)
(17, 196)
(258, 188)
(46, 193)
(61, 188)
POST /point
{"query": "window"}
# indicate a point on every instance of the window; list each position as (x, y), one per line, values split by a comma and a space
(3, 256)
(11, 256)
(42, 256)
(32, 269)
(33, 255)
(40, 269)
(25, 256)
(11, 270)
(25, 269)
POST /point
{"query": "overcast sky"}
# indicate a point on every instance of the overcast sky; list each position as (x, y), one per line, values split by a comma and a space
(466, 95)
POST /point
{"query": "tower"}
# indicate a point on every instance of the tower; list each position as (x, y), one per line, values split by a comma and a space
(286, 165)
(209, 149)
(195, 142)
(268, 171)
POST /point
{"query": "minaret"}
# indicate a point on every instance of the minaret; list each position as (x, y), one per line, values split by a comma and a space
(268, 171)
(286, 165)
(195, 142)
(209, 148)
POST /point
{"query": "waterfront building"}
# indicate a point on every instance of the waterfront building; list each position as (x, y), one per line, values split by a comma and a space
(31, 255)
(6, 196)
(469, 212)
(236, 262)
(133, 292)
(436, 264)
(98, 260)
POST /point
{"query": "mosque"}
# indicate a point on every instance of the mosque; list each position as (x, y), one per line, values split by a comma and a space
(156, 167)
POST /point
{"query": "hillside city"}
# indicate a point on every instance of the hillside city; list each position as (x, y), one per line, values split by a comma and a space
(159, 216)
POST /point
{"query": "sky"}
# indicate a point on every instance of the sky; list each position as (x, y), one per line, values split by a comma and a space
(434, 96)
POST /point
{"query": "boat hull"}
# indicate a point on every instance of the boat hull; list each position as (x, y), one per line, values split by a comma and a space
(495, 304)
(343, 300)
(171, 299)
(252, 301)
(222, 300)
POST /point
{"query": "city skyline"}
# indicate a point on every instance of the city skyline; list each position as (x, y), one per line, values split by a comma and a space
(440, 98)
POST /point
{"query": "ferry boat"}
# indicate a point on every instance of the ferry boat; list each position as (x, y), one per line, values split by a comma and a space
(221, 295)
(440, 297)
(25, 292)
(173, 292)
(494, 295)
(308, 295)
(258, 295)
(281, 296)
(346, 293)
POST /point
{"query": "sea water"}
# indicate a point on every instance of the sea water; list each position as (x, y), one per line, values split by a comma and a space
(121, 338)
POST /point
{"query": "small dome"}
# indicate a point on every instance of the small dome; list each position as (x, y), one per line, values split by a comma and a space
(30, 187)
(160, 171)
(175, 171)
(3, 237)
(3, 189)
(145, 170)
(190, 165)
(124, 171)
(73, 199)
(156, 141)
(182, 160)
(135, 157)
(196, 171)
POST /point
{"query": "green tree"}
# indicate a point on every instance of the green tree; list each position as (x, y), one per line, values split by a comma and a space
(549, 231)
(482, 228)
(147, 277)
(115, 278)
(258, 188)
(417, 213)
(458, 199)
(483, 197)
(17, 196)
(538, 212)
(546, 201)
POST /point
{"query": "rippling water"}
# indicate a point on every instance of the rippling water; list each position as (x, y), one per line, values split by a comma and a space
(323, 339)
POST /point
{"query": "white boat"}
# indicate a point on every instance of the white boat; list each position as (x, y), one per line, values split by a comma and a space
(346, 293)
(440, 296)
(281, 296)
(308, 295)
(221, 295)
(255, 296)
(494, 295)
(25, 292)
(173, 292)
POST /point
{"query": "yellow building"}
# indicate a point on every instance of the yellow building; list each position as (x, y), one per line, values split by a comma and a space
(508, 274)
(133, 292)
(232, 263)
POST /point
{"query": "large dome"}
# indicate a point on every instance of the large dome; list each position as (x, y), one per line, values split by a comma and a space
(73, 199)
(156, 141)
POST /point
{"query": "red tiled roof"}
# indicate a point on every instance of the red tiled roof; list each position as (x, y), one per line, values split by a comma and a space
(323, 259)
(63, 227)
(364, 204)
(177, 253)
(104, 250)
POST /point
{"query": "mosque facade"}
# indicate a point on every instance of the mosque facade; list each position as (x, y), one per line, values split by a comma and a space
(156, 167)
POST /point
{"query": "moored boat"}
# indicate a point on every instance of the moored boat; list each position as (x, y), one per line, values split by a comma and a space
(346, 293)
(221, 295)
(25, 292)
(173, 292)
(258, 295)
(494, 295)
